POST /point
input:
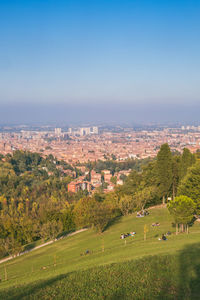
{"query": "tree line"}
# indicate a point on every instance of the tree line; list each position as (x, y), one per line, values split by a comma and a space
(35, 203)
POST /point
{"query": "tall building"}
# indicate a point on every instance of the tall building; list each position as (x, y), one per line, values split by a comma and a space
(58, 131)
(88, 130)
(84, 131)
(95, 129)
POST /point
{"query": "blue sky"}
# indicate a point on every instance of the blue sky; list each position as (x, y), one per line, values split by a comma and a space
(99, 53)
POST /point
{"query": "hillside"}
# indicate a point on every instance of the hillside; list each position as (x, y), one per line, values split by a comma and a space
(62, 261)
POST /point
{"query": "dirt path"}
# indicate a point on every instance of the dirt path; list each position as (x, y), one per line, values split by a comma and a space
(43, 245)
(158, 206)
(70, 234)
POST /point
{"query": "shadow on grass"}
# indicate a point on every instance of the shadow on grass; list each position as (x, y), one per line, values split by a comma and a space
(187, 286)
(65, 233)
(155, 277)
(119, 295)
(112, 222)
(189, 264)
(29, 247)
(25, 291)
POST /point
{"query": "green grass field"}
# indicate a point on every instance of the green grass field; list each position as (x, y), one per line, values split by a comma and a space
(136, 269)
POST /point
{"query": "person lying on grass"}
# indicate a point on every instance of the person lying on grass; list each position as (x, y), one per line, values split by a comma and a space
(132, 233)
(123, 235)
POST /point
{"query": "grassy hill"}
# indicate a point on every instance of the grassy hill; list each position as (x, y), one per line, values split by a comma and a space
(136, 269)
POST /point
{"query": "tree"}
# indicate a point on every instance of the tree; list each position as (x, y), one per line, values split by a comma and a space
(127, 204)
(84, 212)
(149, 174)
(131, 184)
(113, 179)
(164, 170)
(102, 216)
(91, 213)
(113, 157)
(51, 229)
(122, 177)
(182, 208)
(144, 196)
(11, 245)
(187, 160)
(190, 185)
(176, 174)
(112, 199)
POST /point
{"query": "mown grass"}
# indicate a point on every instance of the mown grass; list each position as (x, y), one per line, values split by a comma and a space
(154, 277)
(122, 270)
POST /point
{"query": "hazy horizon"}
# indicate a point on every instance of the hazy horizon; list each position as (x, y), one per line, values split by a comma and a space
(135, 61)
(108, 113)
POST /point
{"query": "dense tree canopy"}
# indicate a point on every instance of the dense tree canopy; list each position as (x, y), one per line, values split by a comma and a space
(35, 203)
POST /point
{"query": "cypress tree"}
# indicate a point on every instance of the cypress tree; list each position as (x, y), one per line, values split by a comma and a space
(164, 170)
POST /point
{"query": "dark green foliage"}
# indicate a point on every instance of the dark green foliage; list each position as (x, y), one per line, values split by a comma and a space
(131, 184)
(176, 164)
(161, 177)
(187, 160)
(182, 208)
(115, 166)
(24, 161)
(164, 169)
(190, 185)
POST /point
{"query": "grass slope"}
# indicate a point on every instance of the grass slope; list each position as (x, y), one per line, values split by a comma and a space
(119, 269)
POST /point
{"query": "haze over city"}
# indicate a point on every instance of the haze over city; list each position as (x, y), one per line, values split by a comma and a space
(135, 61)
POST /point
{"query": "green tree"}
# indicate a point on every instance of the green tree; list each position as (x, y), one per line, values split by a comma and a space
(144, 196)
(182, 208)
(102, 214)
(84, 212)
(190, 185)
(187, 160)
(113, 179)
(127, 204)
(164, 170)
(91, 213)
(176, 174)
(131, 184)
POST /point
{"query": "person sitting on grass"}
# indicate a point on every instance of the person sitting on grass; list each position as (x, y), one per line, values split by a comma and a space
(168, 233)
(139, 215)
(163, 238)
(155, 224)
(146, 213)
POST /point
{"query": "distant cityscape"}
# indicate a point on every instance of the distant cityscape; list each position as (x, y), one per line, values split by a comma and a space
(82, 144)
